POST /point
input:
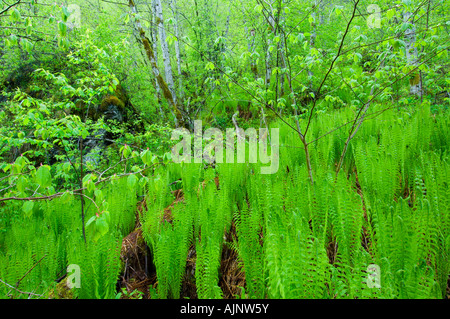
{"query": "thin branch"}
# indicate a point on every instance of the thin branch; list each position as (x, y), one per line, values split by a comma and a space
(18, 282)
(332, 64)
(378, 93)
(9, 7)
(76, 190)
(20, 291)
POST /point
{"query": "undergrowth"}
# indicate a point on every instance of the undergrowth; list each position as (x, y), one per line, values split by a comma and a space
(389, 207)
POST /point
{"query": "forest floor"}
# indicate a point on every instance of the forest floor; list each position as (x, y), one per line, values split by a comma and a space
(139, 273)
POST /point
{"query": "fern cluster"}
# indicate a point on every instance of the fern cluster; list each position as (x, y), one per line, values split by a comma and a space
(388, 207)
(38, 249)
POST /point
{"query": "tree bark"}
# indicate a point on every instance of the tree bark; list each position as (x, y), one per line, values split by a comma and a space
(312, 41)
(173, 6)
(271, 21)
(251, 49)
(155, 51)
(412, 54)
(179, 121)
(165, 48)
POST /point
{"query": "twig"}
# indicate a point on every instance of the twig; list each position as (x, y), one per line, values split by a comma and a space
(18, 282)
(19, 291)
(81, 189)
(9, 7)
(332, 64)
(76, 190)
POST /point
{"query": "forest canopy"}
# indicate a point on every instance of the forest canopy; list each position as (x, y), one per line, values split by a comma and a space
(135, 138)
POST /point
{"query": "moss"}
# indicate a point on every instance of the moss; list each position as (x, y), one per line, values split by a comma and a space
(111, 100)
(61, 291)
(162, 84)
(415, 79)
(120, 93)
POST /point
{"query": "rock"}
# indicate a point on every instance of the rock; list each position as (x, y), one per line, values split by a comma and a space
(93, 148)
(113, 113)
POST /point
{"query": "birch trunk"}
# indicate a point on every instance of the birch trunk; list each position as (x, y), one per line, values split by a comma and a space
(412, 54)
(154, 38)
(151, 57)
(173, 6)
(251, 49)
(321, 9)
(312, 41)
(165, 49)
(281, 49)
(271, 21)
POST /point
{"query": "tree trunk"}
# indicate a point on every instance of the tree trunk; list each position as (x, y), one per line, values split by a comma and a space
(179, 121)
(272, 27)
(412, 54)
(173, 6)
(312, 41)
(251, 49)
(165, 49)
(154, 37)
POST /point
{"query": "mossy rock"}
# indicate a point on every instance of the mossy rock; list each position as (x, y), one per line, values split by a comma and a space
(61, 291)
(111, 100)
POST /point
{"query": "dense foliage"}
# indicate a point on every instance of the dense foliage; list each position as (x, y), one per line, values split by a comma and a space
(90, 96)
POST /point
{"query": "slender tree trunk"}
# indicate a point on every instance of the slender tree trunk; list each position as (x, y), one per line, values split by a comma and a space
(179, 121)
(154, 37)
(268, 55)
(173, 6)
(198, 31)
(81, 189)
(312, 41)
(281, 57)
(321, 9)
(251, 49)
(165, 48)
(412, 54)
(272, 27)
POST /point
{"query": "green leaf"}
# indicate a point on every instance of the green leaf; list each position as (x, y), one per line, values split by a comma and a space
(90, 185)
(43, 176)
(86, 179)
(89, 222)
(19, 164)
(143, 181)
(65, 13)
(15, 15)
(28, 208)
(107, 216)
(62, 27)
(101, 226)
(98, 196)
(209, 66)
(390, 13)
(21, 183)
(13, 39)
(131, 181)
(126, 151)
